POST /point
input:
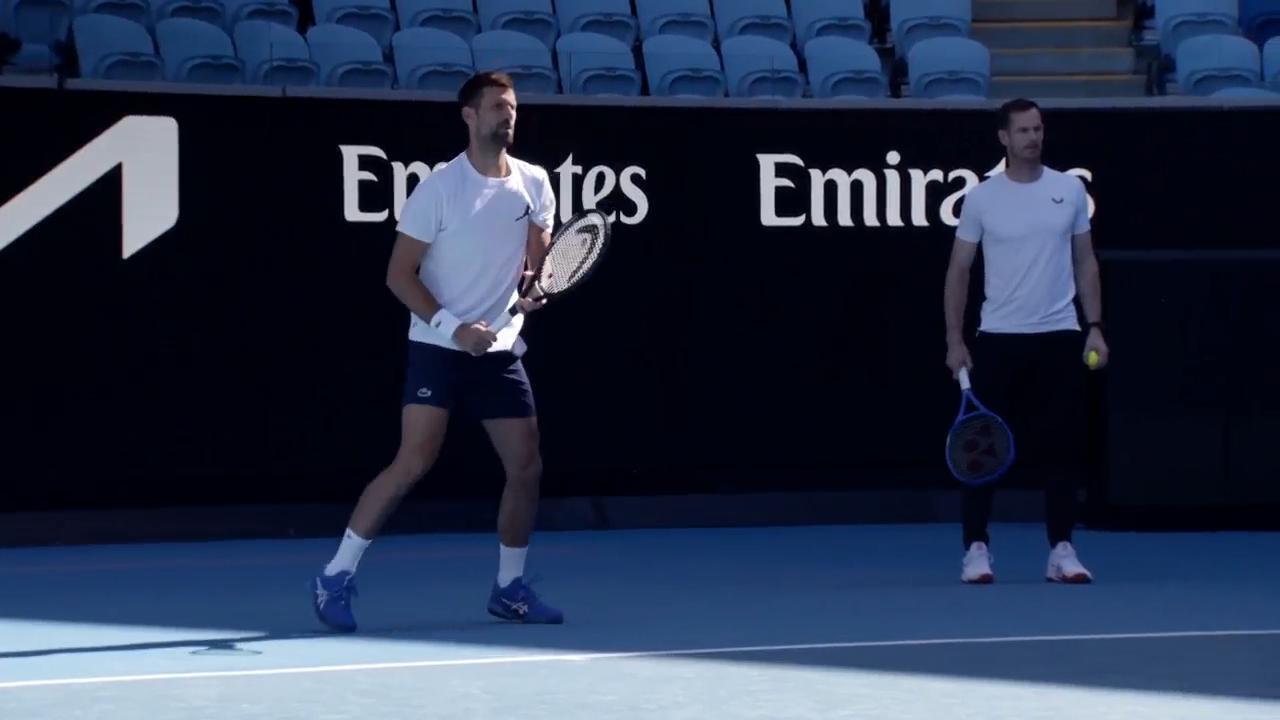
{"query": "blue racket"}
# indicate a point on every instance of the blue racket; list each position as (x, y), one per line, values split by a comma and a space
(980, 445)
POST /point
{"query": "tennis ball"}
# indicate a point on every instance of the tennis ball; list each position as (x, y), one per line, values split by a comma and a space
(1093, 359)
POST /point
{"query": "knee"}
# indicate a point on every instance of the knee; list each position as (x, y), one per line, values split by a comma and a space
(409, 466)
(526, 466)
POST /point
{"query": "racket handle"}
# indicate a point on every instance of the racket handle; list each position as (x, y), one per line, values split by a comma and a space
(963, 377)
(503, 320)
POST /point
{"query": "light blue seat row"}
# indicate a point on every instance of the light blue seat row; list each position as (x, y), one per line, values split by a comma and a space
(949, 67)
(1209, 63)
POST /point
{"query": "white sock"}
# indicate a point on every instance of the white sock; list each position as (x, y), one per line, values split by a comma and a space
(510, 564)
(348, 555)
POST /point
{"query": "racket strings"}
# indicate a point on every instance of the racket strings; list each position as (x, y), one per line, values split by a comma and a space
(573, 252)
(980, 445)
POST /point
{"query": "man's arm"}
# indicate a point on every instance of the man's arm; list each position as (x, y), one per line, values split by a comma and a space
(402, 277)
(1088, 282)
(956, 289)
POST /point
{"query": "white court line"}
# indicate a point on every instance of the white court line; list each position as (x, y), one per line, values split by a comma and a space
(581, 657)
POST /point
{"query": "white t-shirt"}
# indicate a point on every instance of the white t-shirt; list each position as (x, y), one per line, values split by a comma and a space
(478, 229)
(1026, 230)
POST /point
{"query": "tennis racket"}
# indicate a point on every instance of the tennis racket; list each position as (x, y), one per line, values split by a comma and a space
(980, 445)
(575, 250)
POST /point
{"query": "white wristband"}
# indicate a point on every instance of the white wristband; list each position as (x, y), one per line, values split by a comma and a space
(445, 322)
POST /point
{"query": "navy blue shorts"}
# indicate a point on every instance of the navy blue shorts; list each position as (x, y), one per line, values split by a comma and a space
(493, 385)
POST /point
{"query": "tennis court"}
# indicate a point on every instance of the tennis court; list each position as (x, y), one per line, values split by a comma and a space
(832, 621)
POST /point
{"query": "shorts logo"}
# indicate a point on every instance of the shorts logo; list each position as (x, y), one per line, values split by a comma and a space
(424, 392)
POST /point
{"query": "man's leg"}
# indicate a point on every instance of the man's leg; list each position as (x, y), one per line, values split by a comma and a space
(503, 398)
(429, 390)
(997, 369)
(1059, 389)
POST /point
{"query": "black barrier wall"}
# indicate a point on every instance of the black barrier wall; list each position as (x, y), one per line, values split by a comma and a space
(770, 317)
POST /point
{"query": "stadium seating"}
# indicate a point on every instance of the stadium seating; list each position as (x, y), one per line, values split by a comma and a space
(138, 11)
(113, 48)
(767, 18)
(1271, 62)
(195, 51)
(431, 59)
(678, 65)
(595, 64)
(1177, 20)
(676, 17)
(841, 67)
(815, 18)
(210, 11)
(949, 67)
(914, 20)
(276, 11)
(42, 22)
(607, 17)
(372, 16)
(1260, 19)
(758, 66)
(522, 56)
(532, 17)
(455, 16)
(274, 54)
(348, 57)
(1209, 63)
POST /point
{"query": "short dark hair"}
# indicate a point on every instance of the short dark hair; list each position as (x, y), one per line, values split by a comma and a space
(470, 92)
(1008, 109)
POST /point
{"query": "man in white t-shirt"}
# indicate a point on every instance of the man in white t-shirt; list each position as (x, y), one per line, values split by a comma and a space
(1027, 365)
(468, 234)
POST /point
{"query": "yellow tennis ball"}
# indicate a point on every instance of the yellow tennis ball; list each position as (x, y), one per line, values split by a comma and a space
(1093, 359)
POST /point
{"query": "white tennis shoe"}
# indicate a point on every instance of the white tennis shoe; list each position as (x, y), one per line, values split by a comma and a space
(1065, 567)
(977, 565)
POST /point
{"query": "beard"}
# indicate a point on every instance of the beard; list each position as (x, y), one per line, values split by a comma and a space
(502, 137)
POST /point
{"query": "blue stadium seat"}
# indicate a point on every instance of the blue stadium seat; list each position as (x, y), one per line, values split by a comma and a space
(757, 66)
(691, 18)
(348, 57)
(32, 59)
(678, 65)
(607, 17)
(372, 16)
(1260, 19)
(521, 56)
(767, 18)
(817, 18)
(274, 54)
(1247, 92)
(949, 67)
(195, 51)
(1271, 62)
(138, 11)
(112, 48)
(210, 11)
(41, 22)
(844, 67)
(455, 16)
(280, 12)
(532, 17)
(1208, 63)
(431, 59)
(916, 20)
(595, 64)
(1177, 20)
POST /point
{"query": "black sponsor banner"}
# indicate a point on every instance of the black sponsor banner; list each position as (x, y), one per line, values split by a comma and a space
(770, 317)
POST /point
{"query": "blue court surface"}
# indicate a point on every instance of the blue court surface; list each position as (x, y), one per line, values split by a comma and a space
(812, 622)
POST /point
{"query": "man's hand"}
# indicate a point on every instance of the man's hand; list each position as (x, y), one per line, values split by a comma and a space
(958, 357)
(535, 301)
(475, 338)
(1096, 343)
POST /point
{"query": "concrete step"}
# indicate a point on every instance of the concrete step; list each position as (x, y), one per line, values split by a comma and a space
(1074, 34)
(1039, 87)
(1045, 10)
(1049, 61)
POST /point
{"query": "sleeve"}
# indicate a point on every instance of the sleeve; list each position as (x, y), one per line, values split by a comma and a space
(545, 214)
(970, 227)
(1081, 224)
(422, 213)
